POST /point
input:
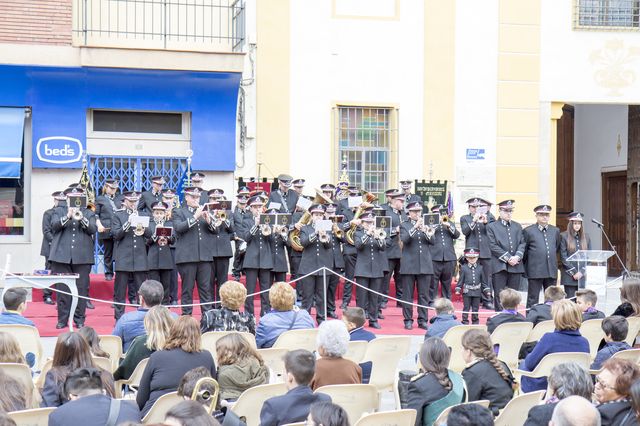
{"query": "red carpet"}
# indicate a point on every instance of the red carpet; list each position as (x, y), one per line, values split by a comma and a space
(102, 320)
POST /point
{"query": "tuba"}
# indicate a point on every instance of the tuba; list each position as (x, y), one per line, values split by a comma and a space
(368, 200)
(202, 393)
(305, 220)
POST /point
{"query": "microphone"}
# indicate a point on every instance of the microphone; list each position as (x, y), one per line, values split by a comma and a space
(600, 224)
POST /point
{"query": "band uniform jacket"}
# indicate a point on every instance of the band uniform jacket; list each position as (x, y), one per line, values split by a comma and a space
(541, 251)
(258, 254)
(286, 200)
(130, 250)
(222, 237)
(194, 237)
(159, 257)
(237, 217)
(336, 245)
(397, 217)
(470, 281)
(570, 268)
(72, 239)
(412, 198)
(416, 256)
(278, 245)
(295, 218)
(345, 210)
(372, 261)
(147, 198)
(476, 234)
(443, 242)
(316, 254)
(105, 207)
(505, 240)
(47, 233)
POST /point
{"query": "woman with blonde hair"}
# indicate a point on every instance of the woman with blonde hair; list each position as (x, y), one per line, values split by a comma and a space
(228, 317)
(10, 349)
(567, 318)
(157, 323)
(182, 352)
(240, 367)
(485, 376)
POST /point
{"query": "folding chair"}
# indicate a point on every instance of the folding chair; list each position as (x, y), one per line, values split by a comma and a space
(250, 402)
(543, 369)
(634, 329)
(632, 355)
(510, 336)
(385, 353)
(274, 359)
(22, 373)
(517, 410)
(389, 418)
(28, 338)
(355, 399)
(102, 362)
(33, 417)
(210, 338)
(159, 409)
(39, 381)
(453, 339)
(113, 346)
(134, 380)
(592, 331)
(357, 350)
(540, 330)
(442, 418)
(298, 339)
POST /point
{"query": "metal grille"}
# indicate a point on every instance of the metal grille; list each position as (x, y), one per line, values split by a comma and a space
(607, 13)
(134, 173)
(365, 140)
(161, 23)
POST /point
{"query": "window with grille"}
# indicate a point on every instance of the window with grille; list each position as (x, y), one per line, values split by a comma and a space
(367, 141)
(607, 13)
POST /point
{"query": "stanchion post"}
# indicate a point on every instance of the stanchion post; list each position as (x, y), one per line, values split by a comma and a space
(324, 290)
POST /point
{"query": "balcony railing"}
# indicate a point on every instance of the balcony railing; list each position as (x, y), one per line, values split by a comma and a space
(201, 25)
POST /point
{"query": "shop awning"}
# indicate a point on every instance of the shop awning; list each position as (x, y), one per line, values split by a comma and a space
(11, 141)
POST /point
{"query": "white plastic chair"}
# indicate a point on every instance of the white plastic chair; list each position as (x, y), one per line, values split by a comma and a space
(355, 399)
(113, 346)
(28, 338)
(389, 418)
(134, 380)
(517, 410)
(453, 339)
(274, 359)
(32, 417)
(634, 329)
(543, 369)
(356, 351)
(385, 353)
(250, 402)
(210, 338)
(510, 336)
(22, 373)
(592, 331)
(298, 339)
(442, 418)
(540, 330)
(160, 408)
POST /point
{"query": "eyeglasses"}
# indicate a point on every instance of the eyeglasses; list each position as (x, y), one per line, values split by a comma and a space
(603, 385)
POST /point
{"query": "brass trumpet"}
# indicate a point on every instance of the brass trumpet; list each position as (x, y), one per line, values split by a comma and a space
(339, 233)
(282, 231)
(77, 214)
(265, 230)
(206, 392)
(139, 231)
(380, 234)
(323, 236)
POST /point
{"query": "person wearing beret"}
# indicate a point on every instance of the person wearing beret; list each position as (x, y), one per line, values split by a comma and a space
(59, 199)
(284, 199)
(395, 210)
(106, 205)
(151, 196)
(542, 244)
(507, 251)
(573, 239)
(159, 258)
(443, 254)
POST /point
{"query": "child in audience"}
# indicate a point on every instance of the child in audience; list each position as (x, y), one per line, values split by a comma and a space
(444, 319)
(509, 299)
(240, 367)
(615, 330)
(15, 303)
(354, 319)
(471, 285)
(91, 337)
(542, 311)
(586, 300)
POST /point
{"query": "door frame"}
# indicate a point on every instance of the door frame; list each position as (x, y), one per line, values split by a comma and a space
(605, 218)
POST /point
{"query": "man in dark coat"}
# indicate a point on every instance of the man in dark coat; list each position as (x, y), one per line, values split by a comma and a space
(337, 266)
(72, 253)
(542, 246)
(223, 234)
(349, 252)
(237, 217)
(405, 186)
(395, 210)
(106, 205)
(159, 259)
(59, 199)
(443, 254)
(542, 311)
(507, 250)
(130, 251)
(284, 199)
(151, 196)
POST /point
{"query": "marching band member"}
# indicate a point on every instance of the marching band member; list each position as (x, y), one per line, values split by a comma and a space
(572, 240)
(59, 200)
(279, 243)
(395, 210)
(405, 185)
(329, 190)
(130, 251)
(338, 260)
(507, 250)
(194, 250)
(222, 252)
(298, 186)
(159, 258)
(349, 252)
(106, 205)
(416, 267)
(284, 195)
(443, 254)
(197, 181)
(239, 212)
(170, 198)
(258, 260)
(151, 196)
(72, 253)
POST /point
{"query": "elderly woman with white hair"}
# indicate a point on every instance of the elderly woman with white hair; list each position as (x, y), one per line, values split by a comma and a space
(332, 368)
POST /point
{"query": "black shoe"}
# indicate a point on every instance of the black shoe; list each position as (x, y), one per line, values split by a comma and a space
(408, 325)
(383, 305)
(49, 301)
(343, 306)
(332, 315)
(236, 277)
(108, 277)
(422, 325)
(374, 324)
(488, 305)
(133, 301)
(89, 305)
(78, 324)
(60, 325)
(430, 304)
(380, 315)
(398, 305)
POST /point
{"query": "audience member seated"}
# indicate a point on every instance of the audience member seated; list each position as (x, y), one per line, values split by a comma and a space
(131, 324)
(240, 367)
(327, 414)
(633, 418)
(586, 300)
(565, 380)
(157, 324)
(332, 368)
(444, 319)
(71, 353)
(542, 311)
(91, 337)
(188, 384)
(229, 317)
(292, 407)
(469, 415)
(630, 297)
(182, 352)
(10, 351)
(354, 319)
(283, 316)
(509, 299)
(15, 303)
(13, 395)
(612, 390)
(575, 411)
(615, 330)
(567, 319)
(436, 387)
(88, 404)
(189, 413)
(485, 376)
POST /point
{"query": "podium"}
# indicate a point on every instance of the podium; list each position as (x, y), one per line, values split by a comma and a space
(593, 264)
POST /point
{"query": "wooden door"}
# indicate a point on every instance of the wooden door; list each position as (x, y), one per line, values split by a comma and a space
(614, 217)
(564, 167)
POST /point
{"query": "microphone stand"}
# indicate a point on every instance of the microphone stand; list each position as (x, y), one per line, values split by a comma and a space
(626, 271)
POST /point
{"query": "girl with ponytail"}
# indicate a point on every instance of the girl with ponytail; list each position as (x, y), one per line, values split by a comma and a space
(486, 377)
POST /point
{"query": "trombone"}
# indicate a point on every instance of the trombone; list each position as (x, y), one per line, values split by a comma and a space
(206, 392)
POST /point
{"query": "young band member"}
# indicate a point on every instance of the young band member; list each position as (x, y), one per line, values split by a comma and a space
(572, 240)
(395, 210)
(72, 253)
(106, 205)
(443, 253)
(222, 237)
(416, 268)
(298, 186)
(471, 285)
(542, 243)
(59, 200)
(151, 196)
(159, 258)
(130, 251)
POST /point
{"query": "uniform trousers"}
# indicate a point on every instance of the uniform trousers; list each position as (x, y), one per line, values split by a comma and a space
(442, 273)
(471, 304)
(533, 290)
(173, 286)
(570, 290)
(488, 278)
(349, 273)
(366, 299)
(190, 274)
(419, 283)
(219, 275)
(64, 300)
(263, 278)
(164, 277)
(277, 277)
(394, 268)
(107, 243)
(501, 280)
(294, 264)
(238, 258)
(332, 286)
(46, 292)
(313, 286)
(124, 278)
